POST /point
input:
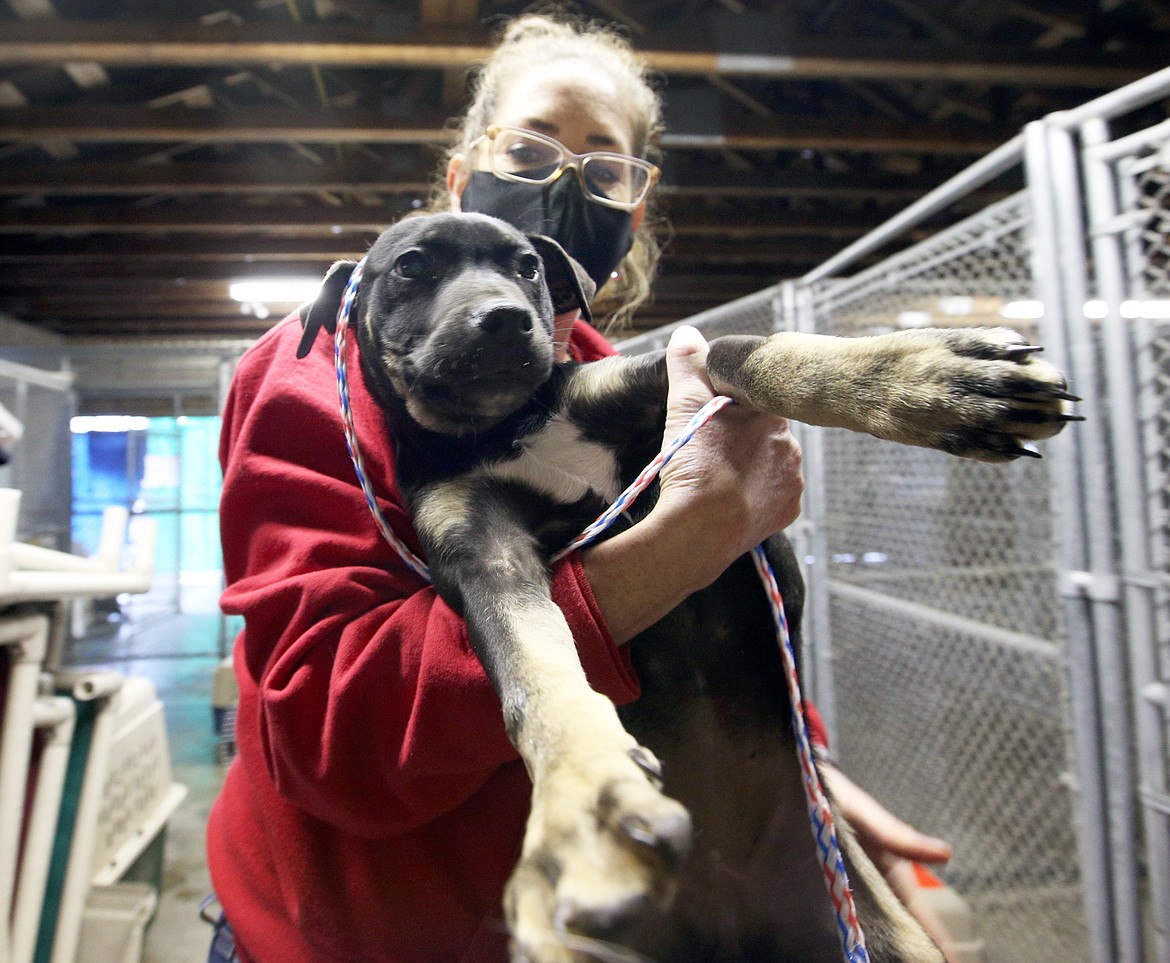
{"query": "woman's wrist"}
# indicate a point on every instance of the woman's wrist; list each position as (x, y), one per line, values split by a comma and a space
(640, 575)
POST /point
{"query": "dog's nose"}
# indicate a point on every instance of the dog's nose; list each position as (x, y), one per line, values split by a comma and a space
(506, 320)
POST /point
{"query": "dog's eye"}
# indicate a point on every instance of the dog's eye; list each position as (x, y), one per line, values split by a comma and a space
(528, 267)
(411, 265)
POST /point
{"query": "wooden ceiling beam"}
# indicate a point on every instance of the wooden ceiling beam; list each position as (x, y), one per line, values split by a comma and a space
(146, 289)
(312, 220)
(233, 326)
(190, 248)
(191, 177)
(174, 272)
(240, 125)
(62, 308)
(139, 43)
(200, 219)
(260, 125)
(284, 254)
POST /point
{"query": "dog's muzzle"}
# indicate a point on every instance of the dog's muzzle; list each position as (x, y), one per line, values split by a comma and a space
(480, 368)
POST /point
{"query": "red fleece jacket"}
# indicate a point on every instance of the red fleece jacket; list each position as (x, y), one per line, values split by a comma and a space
(375, 807)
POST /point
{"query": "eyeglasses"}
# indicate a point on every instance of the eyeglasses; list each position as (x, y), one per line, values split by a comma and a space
(615, 180)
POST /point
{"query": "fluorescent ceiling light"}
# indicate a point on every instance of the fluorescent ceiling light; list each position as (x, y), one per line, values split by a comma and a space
(914, 319)
(84, 424)
(956, 305)
(275, 290)
(1023, 310)
(1145, 309)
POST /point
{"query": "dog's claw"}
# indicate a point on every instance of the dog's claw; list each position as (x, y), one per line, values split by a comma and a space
(1021, 451)
(1023, 350)
(639, 831)
(648, 764)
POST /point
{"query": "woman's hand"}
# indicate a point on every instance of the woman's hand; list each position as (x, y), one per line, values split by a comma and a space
(893, 846)
(741, 471)
(737, 482)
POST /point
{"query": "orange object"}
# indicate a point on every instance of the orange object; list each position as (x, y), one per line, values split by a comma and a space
(926, 879)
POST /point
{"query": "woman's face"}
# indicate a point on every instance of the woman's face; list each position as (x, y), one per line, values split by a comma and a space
(570, 101)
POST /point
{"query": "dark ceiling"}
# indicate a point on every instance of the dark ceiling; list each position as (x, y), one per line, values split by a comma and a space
(152, 150)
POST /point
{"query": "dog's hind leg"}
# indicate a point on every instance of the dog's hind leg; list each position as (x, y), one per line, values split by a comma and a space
(892, 935)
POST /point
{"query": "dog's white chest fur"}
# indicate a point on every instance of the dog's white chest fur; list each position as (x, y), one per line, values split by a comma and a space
(560, 462)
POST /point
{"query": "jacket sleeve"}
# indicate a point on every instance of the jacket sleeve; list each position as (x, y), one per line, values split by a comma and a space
(374, 712)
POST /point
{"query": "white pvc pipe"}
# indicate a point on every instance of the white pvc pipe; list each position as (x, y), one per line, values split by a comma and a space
(143, 540)
(55, 715)
(85, 686)
(27, 637)
(9, 510)
(37, 586)
(79, 867)
(108, 557)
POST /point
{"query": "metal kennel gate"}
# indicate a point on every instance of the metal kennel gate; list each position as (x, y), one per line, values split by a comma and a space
(991, 644)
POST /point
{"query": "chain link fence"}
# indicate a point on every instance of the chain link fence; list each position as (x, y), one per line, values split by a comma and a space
(947, 634)
(991, 644)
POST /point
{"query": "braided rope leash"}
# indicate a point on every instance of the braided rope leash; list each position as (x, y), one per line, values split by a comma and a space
(415, 563)
(820, 818)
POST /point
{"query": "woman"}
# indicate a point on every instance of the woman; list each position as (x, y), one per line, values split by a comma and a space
(376, 806)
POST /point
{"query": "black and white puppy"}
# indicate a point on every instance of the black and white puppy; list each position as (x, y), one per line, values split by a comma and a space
(504, 455)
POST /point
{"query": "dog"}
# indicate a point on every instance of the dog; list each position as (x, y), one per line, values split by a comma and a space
(675, 828)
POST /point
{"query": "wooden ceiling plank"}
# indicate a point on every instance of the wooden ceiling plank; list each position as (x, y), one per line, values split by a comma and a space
(228, 219)
(192, 248)
(119, 43)
(271, 178)
(96, 178)
(269, 124)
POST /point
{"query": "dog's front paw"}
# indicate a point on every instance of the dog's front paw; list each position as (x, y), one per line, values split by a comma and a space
(980, 393)
(601, 854)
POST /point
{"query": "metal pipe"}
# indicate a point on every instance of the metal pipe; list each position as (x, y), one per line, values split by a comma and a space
(1100, 516)
(1066, 499)
(1129, 475)
(1132, 96)
(1113, 150)
(1019, 642)
(987, 168)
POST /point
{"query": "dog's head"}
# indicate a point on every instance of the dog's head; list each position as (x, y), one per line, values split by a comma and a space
(454, 315)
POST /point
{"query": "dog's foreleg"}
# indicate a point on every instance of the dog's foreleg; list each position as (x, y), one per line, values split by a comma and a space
(602, 844)
(980, 393)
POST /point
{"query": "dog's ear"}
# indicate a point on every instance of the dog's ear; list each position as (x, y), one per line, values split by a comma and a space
(568, 284)
(321, 312)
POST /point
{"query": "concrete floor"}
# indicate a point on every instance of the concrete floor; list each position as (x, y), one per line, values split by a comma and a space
(179, 653)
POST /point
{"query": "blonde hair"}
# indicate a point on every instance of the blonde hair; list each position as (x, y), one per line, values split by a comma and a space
(533, 40)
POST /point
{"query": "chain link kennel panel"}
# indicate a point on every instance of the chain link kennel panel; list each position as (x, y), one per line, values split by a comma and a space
(947, 639)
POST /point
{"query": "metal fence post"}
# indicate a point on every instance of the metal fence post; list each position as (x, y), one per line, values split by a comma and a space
(1110, 221)
(799, 316)
(1087, 581)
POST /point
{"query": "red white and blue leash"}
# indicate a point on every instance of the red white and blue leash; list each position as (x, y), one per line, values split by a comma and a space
(821, 819)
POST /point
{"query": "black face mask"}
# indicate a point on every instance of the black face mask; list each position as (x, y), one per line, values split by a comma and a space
(595, 236)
